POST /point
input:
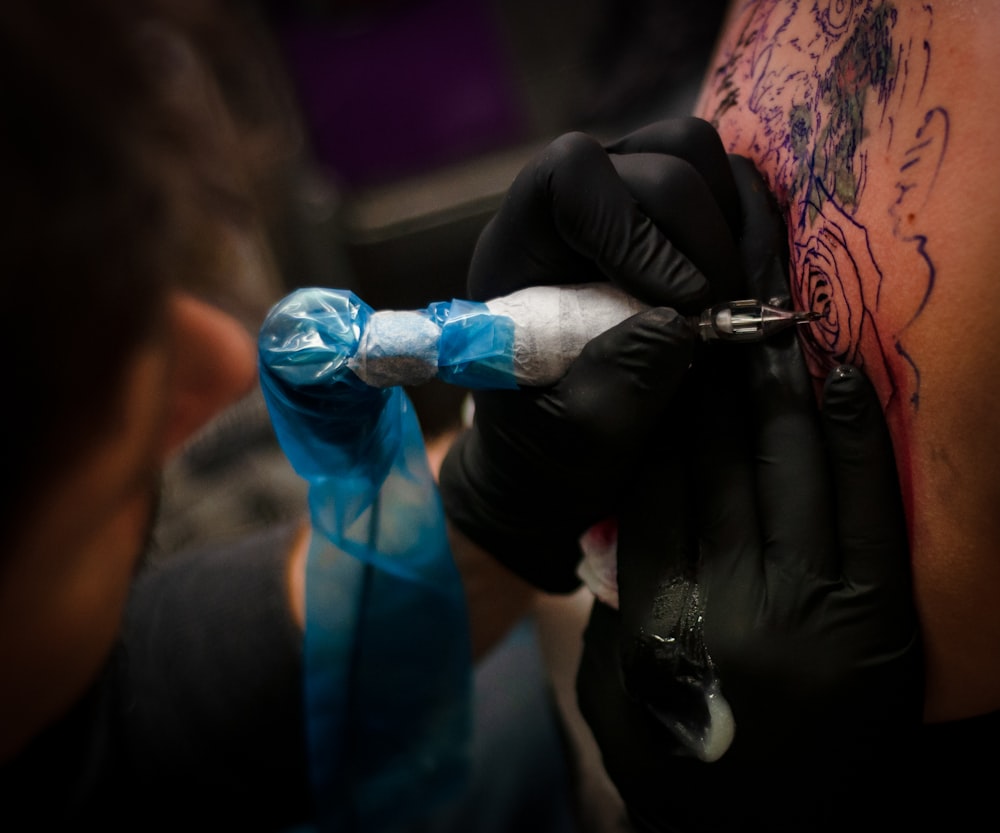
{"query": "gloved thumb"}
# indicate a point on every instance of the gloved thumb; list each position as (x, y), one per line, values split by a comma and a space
(624, 378)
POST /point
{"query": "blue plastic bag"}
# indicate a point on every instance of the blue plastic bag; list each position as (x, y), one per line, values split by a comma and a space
(387, 655)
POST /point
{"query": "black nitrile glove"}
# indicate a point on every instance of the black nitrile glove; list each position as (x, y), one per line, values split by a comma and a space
(764, 551)
(653, 217)
(541, 466)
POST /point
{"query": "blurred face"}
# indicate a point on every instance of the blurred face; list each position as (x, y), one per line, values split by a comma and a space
(63, 589)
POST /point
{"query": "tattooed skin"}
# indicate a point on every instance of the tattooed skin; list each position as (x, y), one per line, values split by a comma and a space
(848, 144)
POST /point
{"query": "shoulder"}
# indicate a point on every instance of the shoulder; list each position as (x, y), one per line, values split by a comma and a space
(875, 124)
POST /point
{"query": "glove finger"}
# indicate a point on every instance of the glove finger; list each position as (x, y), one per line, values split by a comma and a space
(663, 654)
(506, 510)
(793, 483)
(656, 545)
(520, 246)
(662, 790)
(724, 429)
(793, 486)
(630, 748)
(722, 439)
(697, 142)
(570, 208)
(664, 660)
(795, 501)
(637, 752)
(873, 530)
(676, 197)
(542, 465)
(621, 390)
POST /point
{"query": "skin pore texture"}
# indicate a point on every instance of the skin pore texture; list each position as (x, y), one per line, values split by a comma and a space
(874, 124)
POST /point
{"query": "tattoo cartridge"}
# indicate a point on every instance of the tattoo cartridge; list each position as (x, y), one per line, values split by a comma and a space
(746, 321)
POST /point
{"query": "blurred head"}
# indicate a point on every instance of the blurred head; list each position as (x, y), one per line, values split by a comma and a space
(125, 225)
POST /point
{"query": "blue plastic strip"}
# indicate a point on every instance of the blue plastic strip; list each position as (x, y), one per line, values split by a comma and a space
(387, 656)
(477, 347)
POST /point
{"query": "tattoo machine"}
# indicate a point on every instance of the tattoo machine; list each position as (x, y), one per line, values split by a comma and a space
(529, 338)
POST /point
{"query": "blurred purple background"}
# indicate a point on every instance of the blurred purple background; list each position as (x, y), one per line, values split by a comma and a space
(403, 87)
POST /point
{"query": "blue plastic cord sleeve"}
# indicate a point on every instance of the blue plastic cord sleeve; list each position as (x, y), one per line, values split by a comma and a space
(387, 657)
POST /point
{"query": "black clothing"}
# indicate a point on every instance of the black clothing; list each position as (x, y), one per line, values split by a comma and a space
(196, 721)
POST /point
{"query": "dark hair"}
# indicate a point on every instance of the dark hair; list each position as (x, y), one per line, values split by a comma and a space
(116, 182)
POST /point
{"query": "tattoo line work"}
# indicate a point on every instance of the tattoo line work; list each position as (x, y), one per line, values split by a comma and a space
(814, 133)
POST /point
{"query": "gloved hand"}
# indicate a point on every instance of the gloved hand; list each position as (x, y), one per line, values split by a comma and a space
(540, 466)
(772, 558)
(653, 212)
